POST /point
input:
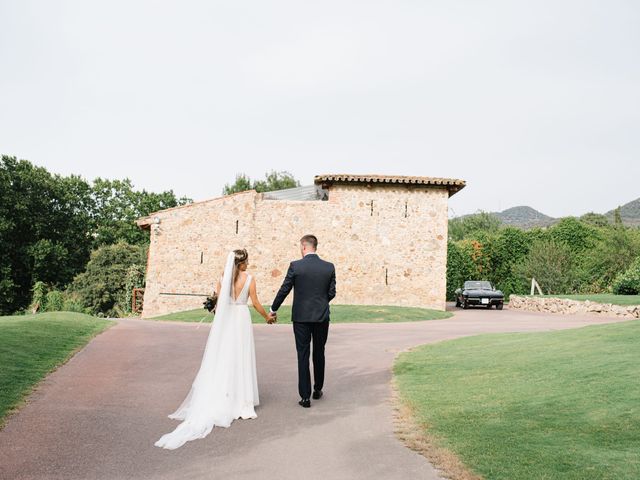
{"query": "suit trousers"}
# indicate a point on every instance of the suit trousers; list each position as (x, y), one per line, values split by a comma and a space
(306, 334)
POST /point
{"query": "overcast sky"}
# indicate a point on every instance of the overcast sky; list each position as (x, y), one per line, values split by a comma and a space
(532, 103)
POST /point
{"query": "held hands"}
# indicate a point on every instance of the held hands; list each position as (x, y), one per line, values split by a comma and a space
(272, 317)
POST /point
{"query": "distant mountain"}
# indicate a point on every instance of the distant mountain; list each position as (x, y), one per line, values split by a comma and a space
(527, 217)
(524, 217)
(629, 212)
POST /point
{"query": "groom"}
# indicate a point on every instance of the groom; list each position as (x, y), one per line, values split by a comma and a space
(314, 285)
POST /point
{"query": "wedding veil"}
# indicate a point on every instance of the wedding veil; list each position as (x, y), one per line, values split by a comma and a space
(207, 403)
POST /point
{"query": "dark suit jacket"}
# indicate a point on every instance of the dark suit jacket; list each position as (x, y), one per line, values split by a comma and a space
(314, 285)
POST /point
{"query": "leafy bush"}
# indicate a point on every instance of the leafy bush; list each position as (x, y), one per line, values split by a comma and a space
(135, 278)
(38, 296)
(54, 301)
(467, 226)
(101, 287)
(509, 247)
(576, 235)
(575, 255)
(613, 253)
(595, 219)
(551, 264)
(628, 283)
(460, 267)
(73, 303)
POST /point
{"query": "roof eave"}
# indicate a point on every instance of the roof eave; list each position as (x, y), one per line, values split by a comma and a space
(453, 185)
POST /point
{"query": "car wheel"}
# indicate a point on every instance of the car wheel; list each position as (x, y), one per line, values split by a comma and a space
(499, 306)
(457, 302)
(465, 305)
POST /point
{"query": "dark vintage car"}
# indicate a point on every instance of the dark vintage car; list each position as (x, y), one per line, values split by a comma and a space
(479, 292)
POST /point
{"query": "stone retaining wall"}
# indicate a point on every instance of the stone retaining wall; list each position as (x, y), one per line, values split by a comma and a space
(567, 306)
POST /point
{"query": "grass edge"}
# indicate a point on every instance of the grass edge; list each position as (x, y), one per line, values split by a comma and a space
(28, 392)
(414, 436)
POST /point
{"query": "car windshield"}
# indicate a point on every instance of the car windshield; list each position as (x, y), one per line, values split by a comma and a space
(476, 285)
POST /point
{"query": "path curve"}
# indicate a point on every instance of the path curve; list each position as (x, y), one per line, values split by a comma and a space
(98, 416)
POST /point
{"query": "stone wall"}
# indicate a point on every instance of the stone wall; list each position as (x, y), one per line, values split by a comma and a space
(390, 253)
(188, 249)
(568, 307)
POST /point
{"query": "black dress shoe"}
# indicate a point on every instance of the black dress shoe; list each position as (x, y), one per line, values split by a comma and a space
(305, 402)
(317, 394)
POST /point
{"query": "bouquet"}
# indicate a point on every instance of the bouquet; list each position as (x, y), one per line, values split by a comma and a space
(211, 302)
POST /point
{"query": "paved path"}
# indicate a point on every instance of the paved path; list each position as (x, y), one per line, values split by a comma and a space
(98, 416)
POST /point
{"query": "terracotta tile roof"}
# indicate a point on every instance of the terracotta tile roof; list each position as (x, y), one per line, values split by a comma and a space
(452, 184)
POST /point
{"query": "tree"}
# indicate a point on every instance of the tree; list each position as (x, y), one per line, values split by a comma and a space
(550, 263)
(117, 205)
(242, 184)
(576, 235)
(101, 287)
(273, 181)
(49, 224)
(628, 282)
(508, 247)
(460, 267)
(464, 227)
(617, 217)
(44, 229)
(614, 251)
(49, 261)
(595, 219)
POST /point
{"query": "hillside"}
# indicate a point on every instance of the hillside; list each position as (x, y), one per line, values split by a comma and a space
(527, 217)
(524, 217)
(630, 213)
(521, 217)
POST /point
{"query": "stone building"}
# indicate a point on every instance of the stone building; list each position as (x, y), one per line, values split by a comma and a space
(387, 236)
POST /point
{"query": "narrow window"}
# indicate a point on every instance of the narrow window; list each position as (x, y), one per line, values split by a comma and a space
(201, 256)
(372, 208)
(406, 208)
(386, 276)
(237, 222)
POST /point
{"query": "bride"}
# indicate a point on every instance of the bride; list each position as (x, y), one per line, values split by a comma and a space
(226, 386)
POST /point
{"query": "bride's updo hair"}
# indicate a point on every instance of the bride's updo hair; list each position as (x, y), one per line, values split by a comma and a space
(241, 256)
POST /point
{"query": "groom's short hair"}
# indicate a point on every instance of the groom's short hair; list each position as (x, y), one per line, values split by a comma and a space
(310, 240)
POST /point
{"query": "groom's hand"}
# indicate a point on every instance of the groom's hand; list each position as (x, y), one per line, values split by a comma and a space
(272, 318)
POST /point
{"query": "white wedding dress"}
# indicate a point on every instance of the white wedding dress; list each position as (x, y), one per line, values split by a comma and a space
(226, 386)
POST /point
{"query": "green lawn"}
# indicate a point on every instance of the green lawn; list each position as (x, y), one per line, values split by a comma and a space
(602, 298)
(33, 345)
(339, 314)
(557, 405)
